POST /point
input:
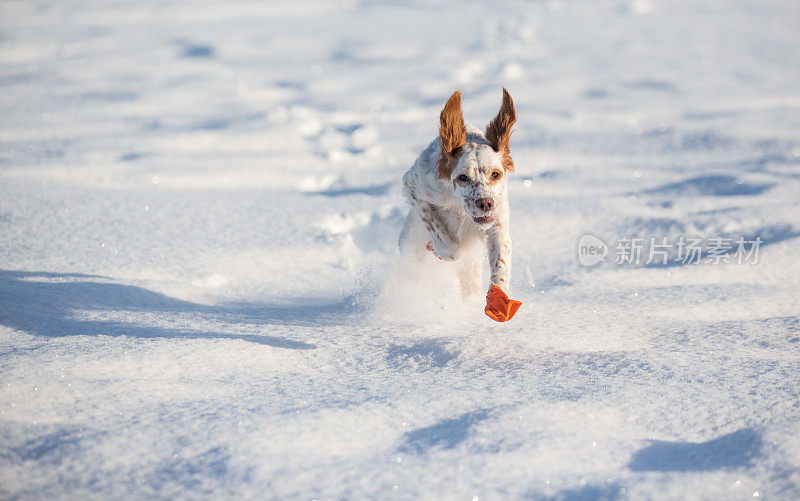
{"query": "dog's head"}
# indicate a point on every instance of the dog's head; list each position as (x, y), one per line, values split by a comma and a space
(477, 168)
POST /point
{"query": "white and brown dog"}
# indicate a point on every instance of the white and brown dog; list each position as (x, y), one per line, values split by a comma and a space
(459, 201)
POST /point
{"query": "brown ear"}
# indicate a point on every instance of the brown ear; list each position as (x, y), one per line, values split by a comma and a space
(453, 133)
(498, 132)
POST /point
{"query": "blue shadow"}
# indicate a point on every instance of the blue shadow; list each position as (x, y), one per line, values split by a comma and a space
(712, 185)
(734, 450)
(47, 308)
(445, 434)
(371, 191)
(197, 51)
(608, 492)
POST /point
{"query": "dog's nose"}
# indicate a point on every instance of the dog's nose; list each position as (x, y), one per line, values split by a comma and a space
(485, 204)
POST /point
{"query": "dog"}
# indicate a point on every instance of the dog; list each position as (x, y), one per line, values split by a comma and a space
(458, 194)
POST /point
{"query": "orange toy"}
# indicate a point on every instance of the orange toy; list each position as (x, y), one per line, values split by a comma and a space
(498, 306)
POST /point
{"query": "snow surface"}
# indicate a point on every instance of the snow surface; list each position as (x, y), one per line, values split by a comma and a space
(200, 295)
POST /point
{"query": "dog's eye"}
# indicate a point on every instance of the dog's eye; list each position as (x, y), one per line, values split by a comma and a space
(495, 175)
(463, 177)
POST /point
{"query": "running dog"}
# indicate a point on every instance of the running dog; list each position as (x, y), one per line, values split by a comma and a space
(458, 194)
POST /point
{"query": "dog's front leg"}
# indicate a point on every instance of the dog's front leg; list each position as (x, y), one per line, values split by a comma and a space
(442, 240)
(499, 244)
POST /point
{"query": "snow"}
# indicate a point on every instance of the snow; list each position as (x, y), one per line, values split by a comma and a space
(200, 293)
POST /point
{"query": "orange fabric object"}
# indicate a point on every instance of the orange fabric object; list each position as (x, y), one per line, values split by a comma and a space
(498, 306)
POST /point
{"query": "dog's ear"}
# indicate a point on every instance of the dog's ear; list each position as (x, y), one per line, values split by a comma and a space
(498, 132)
(453, 133)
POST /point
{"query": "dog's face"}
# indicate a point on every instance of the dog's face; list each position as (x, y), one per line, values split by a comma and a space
(477, 170)
(479, 181)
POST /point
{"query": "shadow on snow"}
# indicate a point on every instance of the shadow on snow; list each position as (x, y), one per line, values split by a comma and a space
(446, 434)
(711, 185)
(33, 303)
(608, 492)
(734, 450)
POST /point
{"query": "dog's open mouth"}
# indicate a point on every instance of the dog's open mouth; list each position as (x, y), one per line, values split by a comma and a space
(483, 219)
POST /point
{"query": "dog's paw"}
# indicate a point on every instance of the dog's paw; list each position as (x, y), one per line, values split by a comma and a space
(449, 253)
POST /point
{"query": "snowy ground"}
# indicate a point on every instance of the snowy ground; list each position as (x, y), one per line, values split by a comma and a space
(199, 294)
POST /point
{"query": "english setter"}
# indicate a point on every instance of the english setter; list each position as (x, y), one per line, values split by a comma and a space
(458, 194)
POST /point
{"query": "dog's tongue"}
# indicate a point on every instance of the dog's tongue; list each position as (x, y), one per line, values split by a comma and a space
(498, 306)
